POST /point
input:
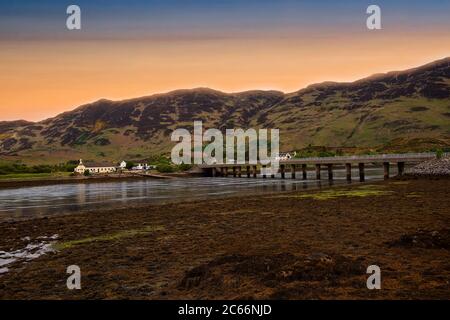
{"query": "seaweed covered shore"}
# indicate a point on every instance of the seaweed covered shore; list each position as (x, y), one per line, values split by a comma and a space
(296, 245)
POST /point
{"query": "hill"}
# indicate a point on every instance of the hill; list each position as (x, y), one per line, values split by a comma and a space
(397, 111)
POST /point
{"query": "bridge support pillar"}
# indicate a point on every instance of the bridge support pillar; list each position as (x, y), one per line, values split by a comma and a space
(255, 172)
(401, 168)
(282, 170)
(386, 170)
(348, 169)
(304, 172)
(234, 172)
(361, 172)
(213, 172)
(239, 171)
(293, 171)
(330, 171)
(264, 172)
(248, 171)
(225, 171)
(318, 171)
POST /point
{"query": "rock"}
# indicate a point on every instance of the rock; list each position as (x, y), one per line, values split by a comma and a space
(435, 167)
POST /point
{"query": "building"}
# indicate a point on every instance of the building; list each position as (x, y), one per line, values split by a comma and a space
(142, 166)
(93, 167)
(285, 156)
(138, 167)
(122, 165)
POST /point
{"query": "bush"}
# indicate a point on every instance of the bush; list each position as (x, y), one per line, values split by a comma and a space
(130, 165)
(165, 168)
(439, 153)
(87, 173)
(184, 167)
(42, 168)
(323, 154)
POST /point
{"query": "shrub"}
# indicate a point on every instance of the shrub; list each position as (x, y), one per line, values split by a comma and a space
(165, 168)
(130, 165)
(323, 154)
(184, 167)
(41, 168)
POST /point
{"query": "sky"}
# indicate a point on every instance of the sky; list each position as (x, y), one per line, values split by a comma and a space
(134, 48)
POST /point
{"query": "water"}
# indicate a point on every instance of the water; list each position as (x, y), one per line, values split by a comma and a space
(33, 250)
(29, 202)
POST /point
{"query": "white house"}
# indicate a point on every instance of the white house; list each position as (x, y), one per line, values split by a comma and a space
(94, 168)
(123, 165)
(140, 166)
(80, 168)
(284, 156)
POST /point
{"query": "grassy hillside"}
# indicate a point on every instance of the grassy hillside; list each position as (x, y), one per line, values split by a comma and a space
(398, 111)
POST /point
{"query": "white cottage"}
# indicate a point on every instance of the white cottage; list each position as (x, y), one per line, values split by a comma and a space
(94, 168)
(141, 166)
(285, 156)
(123, 165)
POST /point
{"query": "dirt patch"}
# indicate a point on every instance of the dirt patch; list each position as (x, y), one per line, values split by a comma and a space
(274, 273)
(418, 109)
(436, 239)
(270, 268)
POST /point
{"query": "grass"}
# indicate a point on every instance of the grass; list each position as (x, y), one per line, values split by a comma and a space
(363, 191)
(414, 195)
(33, 176)
(108, 237)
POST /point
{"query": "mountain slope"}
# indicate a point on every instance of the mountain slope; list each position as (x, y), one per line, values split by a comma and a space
(397, 108)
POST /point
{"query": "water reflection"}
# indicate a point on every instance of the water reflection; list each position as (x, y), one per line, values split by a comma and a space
(55, 199)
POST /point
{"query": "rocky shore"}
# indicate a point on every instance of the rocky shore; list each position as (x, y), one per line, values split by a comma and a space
(432, 168)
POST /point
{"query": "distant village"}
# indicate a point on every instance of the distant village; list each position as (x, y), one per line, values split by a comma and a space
(104, 168)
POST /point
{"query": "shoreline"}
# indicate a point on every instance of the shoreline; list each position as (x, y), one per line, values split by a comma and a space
(315, 243)
(433, 169)
(20, 183)
(235, 197)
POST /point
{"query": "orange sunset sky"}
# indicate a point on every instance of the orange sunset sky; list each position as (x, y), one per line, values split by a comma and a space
(43, 74)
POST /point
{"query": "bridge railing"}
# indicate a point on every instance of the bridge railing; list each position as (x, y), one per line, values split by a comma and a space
(423, 155)
(364, 158)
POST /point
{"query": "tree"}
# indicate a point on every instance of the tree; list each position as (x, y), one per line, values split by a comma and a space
(164, 168)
